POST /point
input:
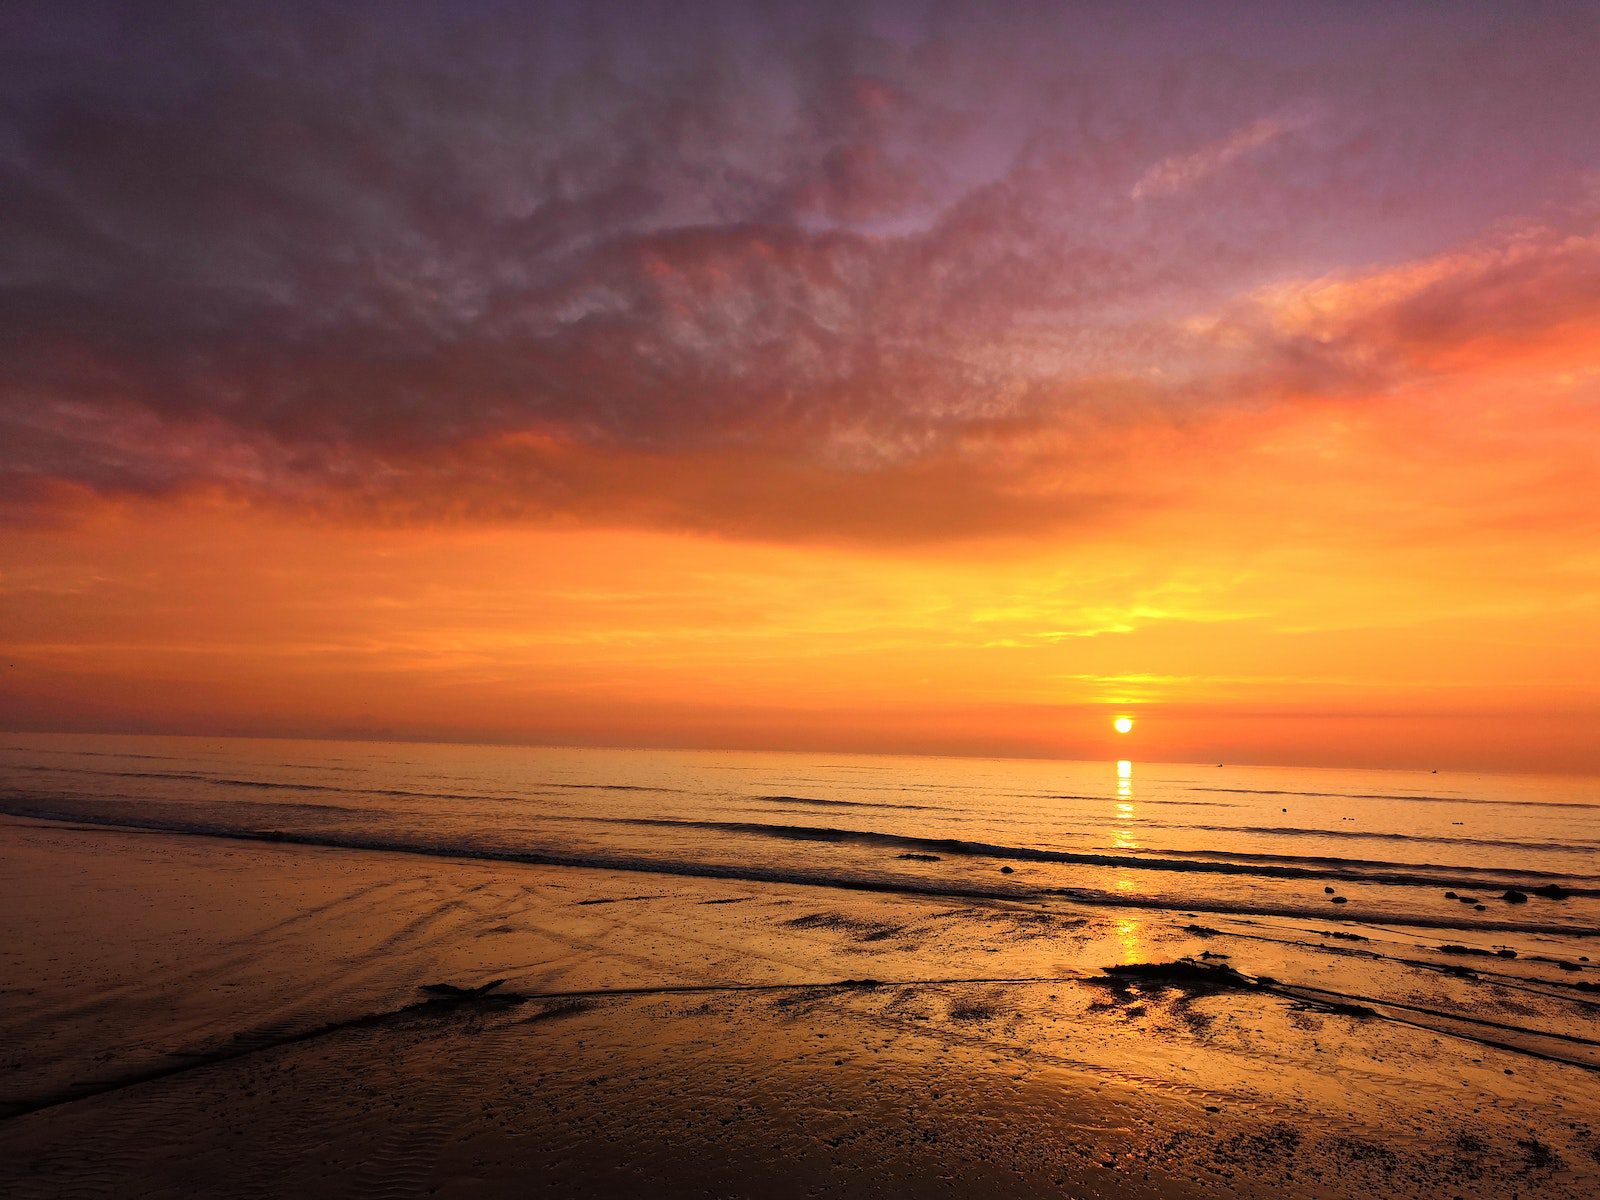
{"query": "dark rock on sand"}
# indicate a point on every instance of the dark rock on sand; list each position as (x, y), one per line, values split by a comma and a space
(1551, 891)
(1454, 949)
(1506, 953)
(1344, 1009)
(1006, 870)
(1451, 896)
(1184, 973)
(449, 995)
(1339, 900)
(1512, 896)
(919, 857)
(452, 992)
(1328, 891)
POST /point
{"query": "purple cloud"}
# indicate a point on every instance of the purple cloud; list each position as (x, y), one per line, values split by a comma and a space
(761, 270)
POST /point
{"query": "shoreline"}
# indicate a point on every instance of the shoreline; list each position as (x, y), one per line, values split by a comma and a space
(268, 993)
(897, 885)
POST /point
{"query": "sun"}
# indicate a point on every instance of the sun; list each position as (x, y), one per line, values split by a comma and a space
(1122, 724)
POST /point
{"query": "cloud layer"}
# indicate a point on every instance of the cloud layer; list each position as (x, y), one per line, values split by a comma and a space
(901, 272)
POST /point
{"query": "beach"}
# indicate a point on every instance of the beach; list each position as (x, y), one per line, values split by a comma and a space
(205, 996)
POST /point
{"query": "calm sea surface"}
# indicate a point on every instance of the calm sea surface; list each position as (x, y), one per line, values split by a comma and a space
(1264, 840)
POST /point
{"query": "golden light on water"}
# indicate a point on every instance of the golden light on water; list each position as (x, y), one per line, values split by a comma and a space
(1122, 724)
(1122, 838)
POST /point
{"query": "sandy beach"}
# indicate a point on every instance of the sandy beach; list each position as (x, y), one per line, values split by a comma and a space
(200, 1016)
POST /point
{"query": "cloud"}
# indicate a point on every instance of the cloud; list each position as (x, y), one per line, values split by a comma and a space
(1526, 298)
(1183, 171)
(772, 272)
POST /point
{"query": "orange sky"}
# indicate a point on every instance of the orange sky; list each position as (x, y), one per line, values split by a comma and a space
(901, 380)
(1409, 579)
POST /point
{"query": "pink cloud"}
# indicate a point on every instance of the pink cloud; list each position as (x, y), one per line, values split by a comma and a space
(1183, 171)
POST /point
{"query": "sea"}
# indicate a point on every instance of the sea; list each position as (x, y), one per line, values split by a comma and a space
(1485, 853)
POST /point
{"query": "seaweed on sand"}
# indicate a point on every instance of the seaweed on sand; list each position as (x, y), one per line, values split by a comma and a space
(1185, 973)
(449, 991)
(1194, 977)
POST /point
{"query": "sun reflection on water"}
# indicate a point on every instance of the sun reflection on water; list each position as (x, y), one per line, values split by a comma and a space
(1123, 838)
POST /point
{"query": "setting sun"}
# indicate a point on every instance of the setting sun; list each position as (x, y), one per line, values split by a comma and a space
(1122, 724)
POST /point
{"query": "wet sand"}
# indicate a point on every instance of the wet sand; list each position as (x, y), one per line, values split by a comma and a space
(195, 1016)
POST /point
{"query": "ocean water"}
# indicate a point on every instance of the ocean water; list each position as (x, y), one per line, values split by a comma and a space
(1184, 838)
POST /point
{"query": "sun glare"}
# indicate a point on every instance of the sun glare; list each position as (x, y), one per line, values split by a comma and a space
(1122, 724)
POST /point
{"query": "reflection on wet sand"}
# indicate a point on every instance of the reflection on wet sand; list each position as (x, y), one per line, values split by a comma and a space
(1128, 937)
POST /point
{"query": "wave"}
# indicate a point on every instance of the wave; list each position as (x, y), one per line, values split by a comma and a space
(294, 786)
(1442, 840)
(858, 881)
(608, 787)
(1102, 797)
(276, 785)
(1262, 866)
(1421, 799)
(1242, 856)
(819, 803)
(92, 753)
(963, 848)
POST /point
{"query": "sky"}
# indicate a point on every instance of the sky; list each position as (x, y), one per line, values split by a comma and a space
(916, 377)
